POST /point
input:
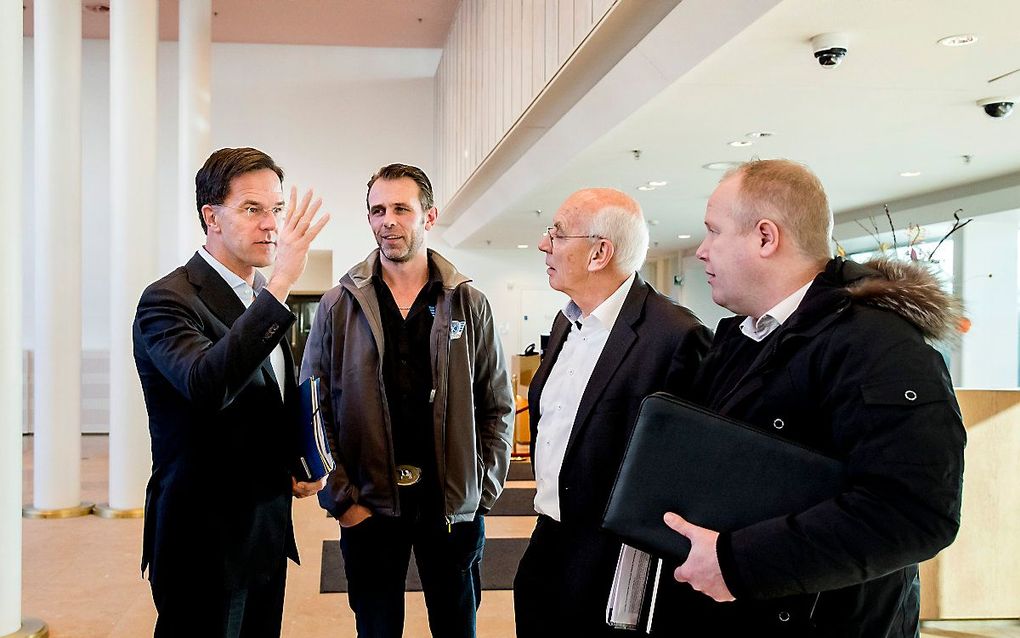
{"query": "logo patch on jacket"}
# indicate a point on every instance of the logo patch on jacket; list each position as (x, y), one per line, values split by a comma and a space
(456, 329)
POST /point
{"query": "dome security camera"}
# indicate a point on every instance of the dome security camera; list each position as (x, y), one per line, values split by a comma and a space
(997, 107)
(830, 49)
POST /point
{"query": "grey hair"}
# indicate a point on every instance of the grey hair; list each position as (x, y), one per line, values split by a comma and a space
(628, 233)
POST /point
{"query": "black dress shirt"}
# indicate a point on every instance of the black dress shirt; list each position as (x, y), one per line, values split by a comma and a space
(407, 374)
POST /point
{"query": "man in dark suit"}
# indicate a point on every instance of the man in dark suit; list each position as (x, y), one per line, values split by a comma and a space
(617, 341)
(218, 380)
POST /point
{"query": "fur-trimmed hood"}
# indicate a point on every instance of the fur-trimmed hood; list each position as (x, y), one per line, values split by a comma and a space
(911, 291)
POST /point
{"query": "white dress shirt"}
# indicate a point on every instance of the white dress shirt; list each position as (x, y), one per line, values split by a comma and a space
(246, 294)
(562, 392)
(768, 322)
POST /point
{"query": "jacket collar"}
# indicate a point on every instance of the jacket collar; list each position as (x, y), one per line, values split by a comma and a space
(825, 302)
(361, 274)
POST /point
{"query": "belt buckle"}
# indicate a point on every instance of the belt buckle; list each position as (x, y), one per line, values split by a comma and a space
(408, 475)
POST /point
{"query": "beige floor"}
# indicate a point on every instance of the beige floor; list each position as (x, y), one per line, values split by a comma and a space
(81, 575)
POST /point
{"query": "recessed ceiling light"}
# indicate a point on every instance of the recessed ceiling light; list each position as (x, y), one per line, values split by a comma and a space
(961, 40)
(522, 245)
(740, 143)
(910, 173)
(683, 236)
(757, 134)
(646, 188)
(721, 166)
(653, 183)
(653, 222)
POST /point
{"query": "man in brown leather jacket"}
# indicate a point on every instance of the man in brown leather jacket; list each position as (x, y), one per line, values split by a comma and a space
(418, 407)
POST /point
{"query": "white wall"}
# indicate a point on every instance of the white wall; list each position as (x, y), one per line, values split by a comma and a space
(988, 277)
(696, 294)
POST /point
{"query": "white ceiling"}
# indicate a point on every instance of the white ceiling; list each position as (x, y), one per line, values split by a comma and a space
(899, 102)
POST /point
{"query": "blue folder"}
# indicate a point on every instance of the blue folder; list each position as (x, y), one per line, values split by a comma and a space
(314, 458)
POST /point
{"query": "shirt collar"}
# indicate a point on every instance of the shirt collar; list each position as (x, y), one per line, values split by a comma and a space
(435, 279)
(607, 312)
(240, 287)
(777, 316)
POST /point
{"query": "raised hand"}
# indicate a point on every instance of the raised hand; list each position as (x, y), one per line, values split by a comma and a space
(296, 233)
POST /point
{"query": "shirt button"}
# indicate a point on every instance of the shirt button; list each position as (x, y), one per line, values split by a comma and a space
(910, 395)
(784, 616)
(778, 424)
(570, 372)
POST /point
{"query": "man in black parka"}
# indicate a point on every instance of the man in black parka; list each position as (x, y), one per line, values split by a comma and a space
(832, 355)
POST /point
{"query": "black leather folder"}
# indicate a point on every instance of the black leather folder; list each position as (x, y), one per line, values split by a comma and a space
(715, 472)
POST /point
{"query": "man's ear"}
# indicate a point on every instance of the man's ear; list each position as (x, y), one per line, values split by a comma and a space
(211, 217)
(431, 215)
(768, 235)
(601, 255)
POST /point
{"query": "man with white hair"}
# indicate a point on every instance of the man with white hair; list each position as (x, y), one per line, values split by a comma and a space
(616, 341)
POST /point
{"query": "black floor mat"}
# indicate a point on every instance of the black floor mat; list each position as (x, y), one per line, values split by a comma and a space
(515, 501)
(499, 564)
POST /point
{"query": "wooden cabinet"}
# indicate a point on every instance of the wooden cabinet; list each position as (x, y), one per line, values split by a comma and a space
(978, 576)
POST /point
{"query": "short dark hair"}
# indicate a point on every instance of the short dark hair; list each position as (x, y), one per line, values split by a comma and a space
(213, 180)
(397, 171)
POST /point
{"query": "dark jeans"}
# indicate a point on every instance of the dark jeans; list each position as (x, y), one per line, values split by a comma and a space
(376, 556)
(202, 608)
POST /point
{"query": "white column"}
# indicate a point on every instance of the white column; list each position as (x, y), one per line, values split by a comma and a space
(133, 41)
(10, 318)
(193, 139)
(58, 265)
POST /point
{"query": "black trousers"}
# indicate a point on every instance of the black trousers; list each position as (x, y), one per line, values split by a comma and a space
(376, 557)
(563, 581)
(202, 608)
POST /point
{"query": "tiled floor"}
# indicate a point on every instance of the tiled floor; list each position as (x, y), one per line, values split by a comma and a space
(81, 575)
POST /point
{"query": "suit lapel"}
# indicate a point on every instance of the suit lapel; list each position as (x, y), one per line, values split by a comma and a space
(615, 351)
(557, 335)
(214, 291)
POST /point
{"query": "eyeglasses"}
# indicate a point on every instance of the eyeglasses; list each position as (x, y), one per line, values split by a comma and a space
(554, 233)
(252, 212)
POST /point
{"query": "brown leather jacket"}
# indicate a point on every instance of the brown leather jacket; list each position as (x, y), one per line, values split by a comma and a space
(472, 403)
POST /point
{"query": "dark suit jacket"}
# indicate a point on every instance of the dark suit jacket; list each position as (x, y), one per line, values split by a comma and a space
(218, 504)
(655, 345)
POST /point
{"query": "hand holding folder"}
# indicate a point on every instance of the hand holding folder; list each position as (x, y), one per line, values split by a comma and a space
(314, 458)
